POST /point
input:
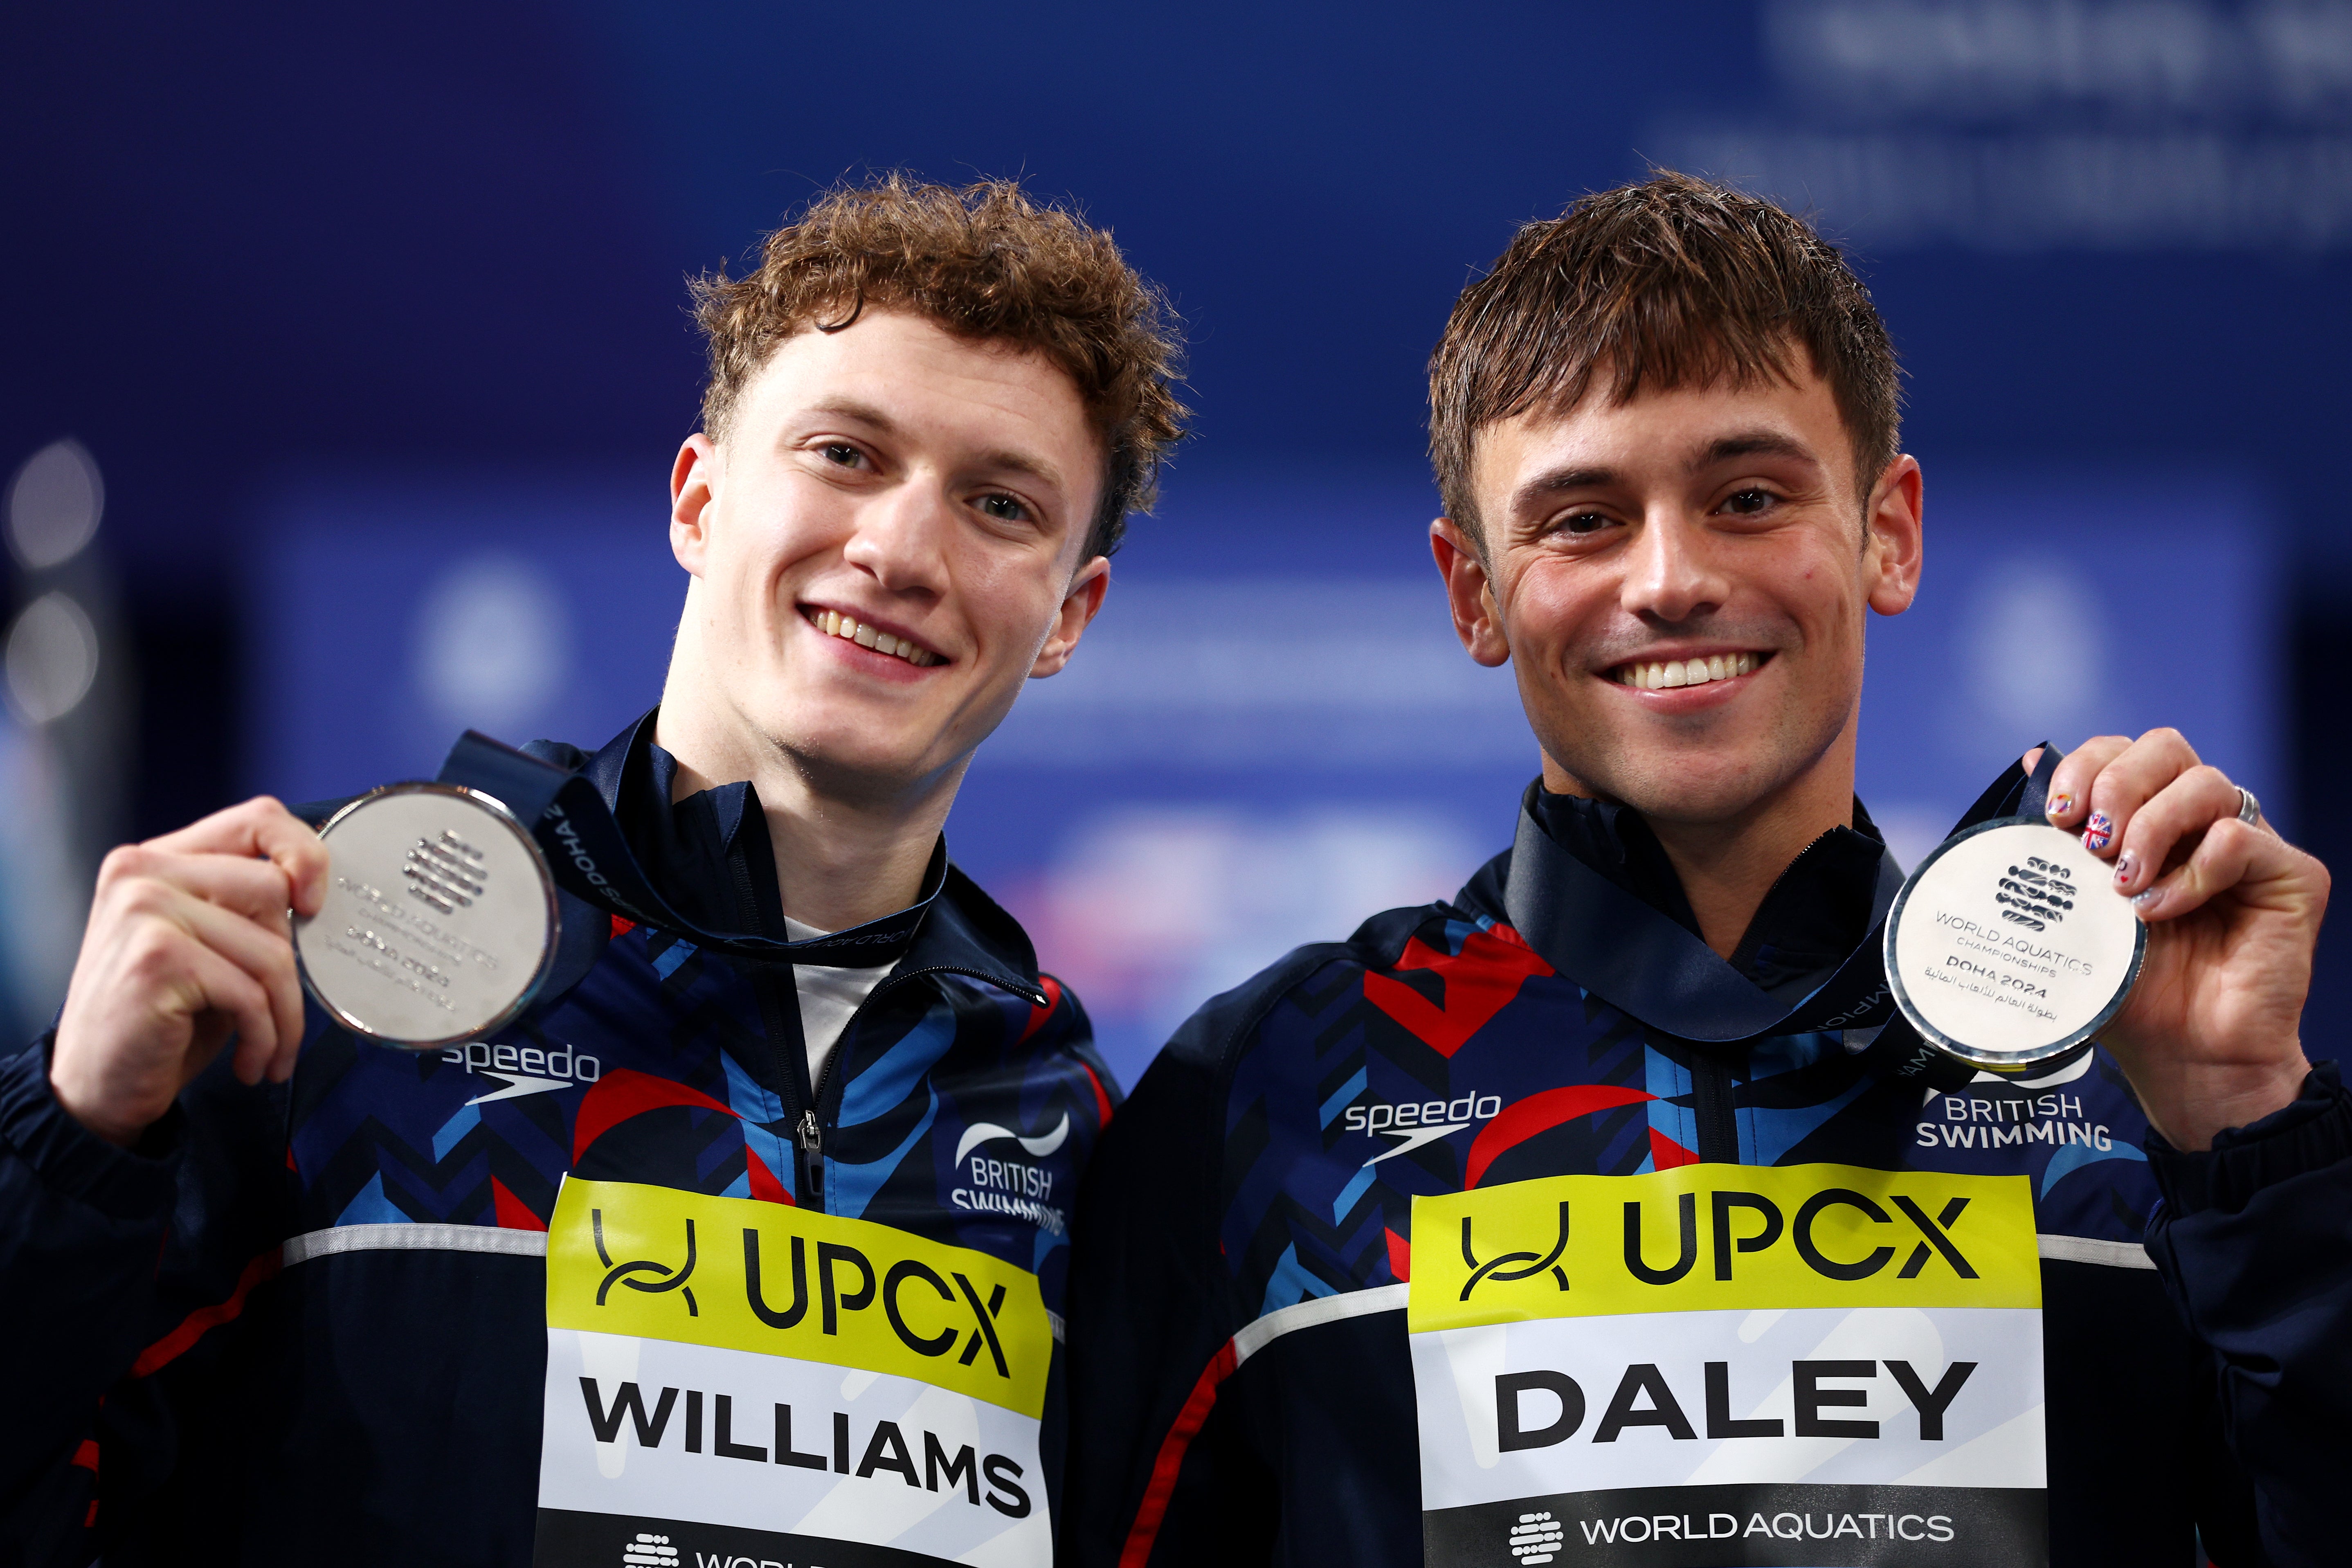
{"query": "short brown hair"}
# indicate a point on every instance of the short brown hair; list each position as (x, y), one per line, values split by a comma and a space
(1672, 282)
(984, 262)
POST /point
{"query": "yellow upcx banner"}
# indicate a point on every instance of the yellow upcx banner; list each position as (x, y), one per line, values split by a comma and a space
(778, 1280)
(1707, 1238)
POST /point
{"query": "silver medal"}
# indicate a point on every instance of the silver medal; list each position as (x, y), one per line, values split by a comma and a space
(439, 922)
(2009, 945)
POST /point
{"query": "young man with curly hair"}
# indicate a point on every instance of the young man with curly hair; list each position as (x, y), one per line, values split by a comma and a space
(1606, 1212)
(278, 1294)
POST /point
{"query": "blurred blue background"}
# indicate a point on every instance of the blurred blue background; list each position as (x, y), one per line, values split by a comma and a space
(346, 353)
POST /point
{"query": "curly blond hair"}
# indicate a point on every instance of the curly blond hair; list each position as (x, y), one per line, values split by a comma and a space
(986, 262)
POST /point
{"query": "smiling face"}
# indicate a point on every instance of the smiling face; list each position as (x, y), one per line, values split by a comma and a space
(886, 548)
(1681, 582)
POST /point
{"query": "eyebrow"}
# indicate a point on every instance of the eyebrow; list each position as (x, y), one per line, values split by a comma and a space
(1753, 444)
(1003, 457)
(1558, 480)
(1760, 442)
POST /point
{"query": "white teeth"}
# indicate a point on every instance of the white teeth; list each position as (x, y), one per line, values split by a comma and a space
(833, 624)
(1656, 676)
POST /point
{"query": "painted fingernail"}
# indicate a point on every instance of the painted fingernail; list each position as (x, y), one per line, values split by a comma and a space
(2146, 902)
(2060, 804)
(2099, 832)
(2125, 864)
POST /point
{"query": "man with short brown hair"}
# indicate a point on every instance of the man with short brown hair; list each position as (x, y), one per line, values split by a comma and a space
(278, 1294)
(1608, 1212)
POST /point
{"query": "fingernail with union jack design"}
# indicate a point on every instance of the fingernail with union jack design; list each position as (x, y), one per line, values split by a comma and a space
(2099, 832)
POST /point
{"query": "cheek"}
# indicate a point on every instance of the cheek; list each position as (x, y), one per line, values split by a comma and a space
(1006, 607)
(1547, 606)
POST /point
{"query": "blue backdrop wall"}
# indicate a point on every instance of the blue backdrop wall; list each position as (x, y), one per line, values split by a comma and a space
(373, 322)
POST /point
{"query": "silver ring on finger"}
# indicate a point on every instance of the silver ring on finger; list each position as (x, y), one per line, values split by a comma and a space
(2250, 810)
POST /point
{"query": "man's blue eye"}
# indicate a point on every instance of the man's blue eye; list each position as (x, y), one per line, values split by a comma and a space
(1002, 507)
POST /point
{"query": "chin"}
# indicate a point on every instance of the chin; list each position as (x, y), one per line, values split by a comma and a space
(1670, 785)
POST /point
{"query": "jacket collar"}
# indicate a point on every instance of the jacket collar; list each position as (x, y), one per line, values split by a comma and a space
(960, 927)
(1602, 935)
(1595, 928)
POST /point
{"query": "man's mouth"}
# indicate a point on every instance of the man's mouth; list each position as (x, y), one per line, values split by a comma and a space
(1653, 676)
(833, 624)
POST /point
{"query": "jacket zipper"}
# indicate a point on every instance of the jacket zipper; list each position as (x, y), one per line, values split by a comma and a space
(1719, 1120)
(772, 1005)
(810, 1132)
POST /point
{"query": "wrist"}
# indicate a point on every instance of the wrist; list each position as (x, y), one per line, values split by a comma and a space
(2200, 1103)
(88, 1106)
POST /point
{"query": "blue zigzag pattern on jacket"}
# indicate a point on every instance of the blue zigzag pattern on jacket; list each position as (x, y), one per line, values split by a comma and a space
(370, 1206)
(1292, 1283)
(883, 1086)
(849, 1188)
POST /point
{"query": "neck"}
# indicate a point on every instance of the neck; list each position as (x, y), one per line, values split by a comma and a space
(1726, 864)
(843, 857)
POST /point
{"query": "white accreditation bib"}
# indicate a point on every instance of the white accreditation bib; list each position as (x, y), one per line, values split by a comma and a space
(750, 1385)
(1727, 1366)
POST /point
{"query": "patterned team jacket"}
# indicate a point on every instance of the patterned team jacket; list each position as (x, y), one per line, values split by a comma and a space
(1241, 1382)
(307, 1322)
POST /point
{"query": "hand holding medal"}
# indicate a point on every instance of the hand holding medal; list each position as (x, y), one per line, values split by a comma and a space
(2210, 1035)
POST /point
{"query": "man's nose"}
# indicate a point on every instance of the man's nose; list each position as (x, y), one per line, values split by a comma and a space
(1671, 571)
(901, 538)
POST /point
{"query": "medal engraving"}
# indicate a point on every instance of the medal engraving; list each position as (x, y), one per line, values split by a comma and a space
(439, 922)
(2008, 946)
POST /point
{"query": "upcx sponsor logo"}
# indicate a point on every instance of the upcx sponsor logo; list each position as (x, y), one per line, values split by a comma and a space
(1424, 1122)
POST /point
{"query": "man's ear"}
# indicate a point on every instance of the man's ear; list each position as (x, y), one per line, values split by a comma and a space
(1079, 606)
(1891, 540)
(693, 490)
(1469, 592)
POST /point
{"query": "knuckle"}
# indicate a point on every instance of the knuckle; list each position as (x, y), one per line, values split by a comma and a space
(2227, 838)
(122, 861)
(152, 950)
(141, 895)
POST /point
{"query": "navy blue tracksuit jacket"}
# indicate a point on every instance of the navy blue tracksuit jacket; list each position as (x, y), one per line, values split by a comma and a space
(1241, 1389)
(306, 1323)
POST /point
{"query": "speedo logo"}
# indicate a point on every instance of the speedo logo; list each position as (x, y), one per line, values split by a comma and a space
(1413, 1125)
(527, 1069)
